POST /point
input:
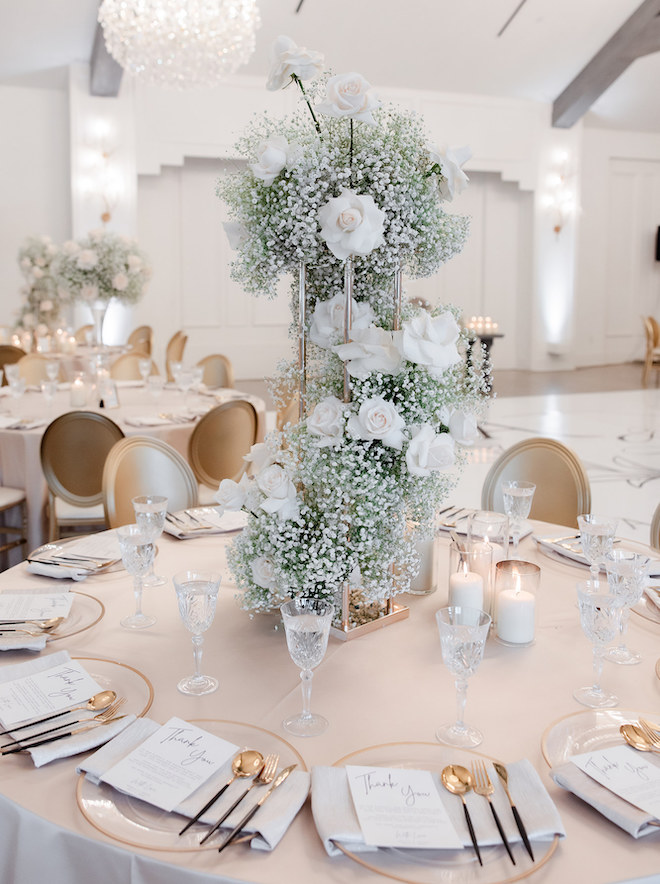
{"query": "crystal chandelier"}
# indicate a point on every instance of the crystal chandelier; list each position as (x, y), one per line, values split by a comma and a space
(181, 43)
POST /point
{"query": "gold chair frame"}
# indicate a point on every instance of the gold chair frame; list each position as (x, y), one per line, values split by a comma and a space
(140, 340)
(10, 498)
(127, 367)
(655, 528)
(218, 371)
(73, 451)
(562, 492)
(220, 440)
(8, 356)
(652, 357)
(32, 367)
(80, 334)
(174, 351)
(143, 465)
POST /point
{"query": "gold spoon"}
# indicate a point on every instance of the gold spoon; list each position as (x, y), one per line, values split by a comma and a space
(458, 780)
(51, 623)
(245, 764)
(99, 701)
(636, 738)
(41, 627)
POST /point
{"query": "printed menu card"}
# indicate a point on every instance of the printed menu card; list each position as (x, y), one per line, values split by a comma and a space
(49, 690)
(170, 764)
(622, 770)
(400, 808)
(40, 606)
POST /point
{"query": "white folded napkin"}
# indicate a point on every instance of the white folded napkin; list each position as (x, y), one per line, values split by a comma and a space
(653, 595)
(19, 641)
(270, 822)
(213, 523)
(336, 820)
(147, 420)
(625, 815)
(67, 746)
(19, 423)
(59, 571)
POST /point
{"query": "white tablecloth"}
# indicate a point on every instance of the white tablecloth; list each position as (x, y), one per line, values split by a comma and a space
(20, 464)
(387, 686)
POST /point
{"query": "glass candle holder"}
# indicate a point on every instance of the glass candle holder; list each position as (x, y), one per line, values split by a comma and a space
(424, 582)
(493, 528)
(470, 577)
(516, 591)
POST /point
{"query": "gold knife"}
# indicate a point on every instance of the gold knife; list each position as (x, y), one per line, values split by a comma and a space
(77, 730)
(279, 779)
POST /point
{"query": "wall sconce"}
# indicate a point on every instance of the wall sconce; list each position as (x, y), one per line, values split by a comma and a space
(102, 177)
(559, 196)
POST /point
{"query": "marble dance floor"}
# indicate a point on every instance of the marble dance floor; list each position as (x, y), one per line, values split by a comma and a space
(616, 435)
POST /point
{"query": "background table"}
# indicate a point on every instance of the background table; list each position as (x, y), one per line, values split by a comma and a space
(20, 463)
(387, 686)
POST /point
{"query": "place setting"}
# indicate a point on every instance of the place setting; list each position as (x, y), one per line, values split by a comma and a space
(203, 520)
(76, 558)
(31, 618)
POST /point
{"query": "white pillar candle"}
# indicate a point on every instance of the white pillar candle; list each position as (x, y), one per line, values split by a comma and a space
(515, 616)
(78, 393)
(466, 589)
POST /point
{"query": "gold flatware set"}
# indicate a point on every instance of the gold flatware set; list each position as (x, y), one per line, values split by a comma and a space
(643, 736)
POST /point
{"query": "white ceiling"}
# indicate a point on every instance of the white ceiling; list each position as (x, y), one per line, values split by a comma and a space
(443, 45)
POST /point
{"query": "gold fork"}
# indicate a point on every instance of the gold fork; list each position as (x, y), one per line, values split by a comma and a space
(263, 778)
(650, 734)
(101, 718)
(483, 786)
(89, 725)
(455, 518)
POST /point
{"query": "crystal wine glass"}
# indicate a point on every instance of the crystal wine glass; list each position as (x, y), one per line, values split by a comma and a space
(52, 369)
(137, 554)
(599, 618)
(627, 577)
(517, 496)
(197, 594)
(185, 380)
(307, 626)
(597, 537)
(144, 367)
(12, 372)
(48, 390)
(150, 511)
(463, 632)
(17, 387)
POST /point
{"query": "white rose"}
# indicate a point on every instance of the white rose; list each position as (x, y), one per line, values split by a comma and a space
(288, 60)
(259, 456)
(98, 234)
(428, 451)
(46, 306)
(26, 264)
(349, 95)
(454, 180)
(274, 481)
(120, 282)
(378, 419)
(463, 427)
(272, 156)
(328, 319)
(37, 272)
(371, 349)
(89, 292)
(263, 572)
(70, 247)
(51, 250)
(351, 224)
(40, 262)
(230, 496)
(134, 263)
(327, 422)
(236, 233)
(430, 341)
(87, 259)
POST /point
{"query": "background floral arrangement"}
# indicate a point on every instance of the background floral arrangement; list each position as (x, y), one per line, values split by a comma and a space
(333, 498)
(42, 309)
(99, 267)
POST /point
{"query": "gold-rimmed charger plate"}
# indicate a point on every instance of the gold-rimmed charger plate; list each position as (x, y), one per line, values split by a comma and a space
(86, 611)
(137, 824)
(647, 610)
(439, 866)
(587, 731)
(125, 680)
(57, 546)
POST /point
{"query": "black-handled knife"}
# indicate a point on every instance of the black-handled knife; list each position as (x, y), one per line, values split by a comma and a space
(468, 820)
(279, 779)
(208, 804)
(502, 773)
(77, 730)
(501, 831)
(216, 825)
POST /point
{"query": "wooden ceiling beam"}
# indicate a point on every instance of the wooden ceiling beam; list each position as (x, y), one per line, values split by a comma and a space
(639, 35)
(104, 72)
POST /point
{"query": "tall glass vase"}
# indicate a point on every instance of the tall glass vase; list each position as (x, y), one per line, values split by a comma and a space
(99, 309)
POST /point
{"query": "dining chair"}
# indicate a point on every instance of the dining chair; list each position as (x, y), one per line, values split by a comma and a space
(8, 356)
(174, 352)
(127, 367)
(140, 465)
(16, 535)
(73, 450)
(218, 444)
(81, 333)
(655, 528)
(218, 371)
(32, 367)
(139, 340)
(652, 358)
(562, 491)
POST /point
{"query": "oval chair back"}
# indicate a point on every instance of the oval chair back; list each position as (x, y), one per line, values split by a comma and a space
(562, 492)
(220, 440)
(32, 367)
(174, 351)
(143, 465)
(140, 340)
(655, 528)
(8, 356)
(127, 367)
(218, 371)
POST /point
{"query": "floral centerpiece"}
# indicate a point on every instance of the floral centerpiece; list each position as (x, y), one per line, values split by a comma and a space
(101, 266)
(42, 307)
(346, 194)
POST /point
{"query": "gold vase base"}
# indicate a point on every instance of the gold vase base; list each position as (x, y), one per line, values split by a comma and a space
(346, 632)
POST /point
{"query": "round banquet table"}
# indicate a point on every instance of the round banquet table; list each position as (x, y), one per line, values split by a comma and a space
(389, 685)
(20, 461)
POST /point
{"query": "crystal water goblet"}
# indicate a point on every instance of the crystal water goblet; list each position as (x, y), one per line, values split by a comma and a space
(175, 368)
(463, 632)
(599, 618)
(12, 372)
(150, 511)
(307, 626)
(185, 380)
(137, 553)
(48, 390)
(52, 369)
(627, 574)
(17, 386)
(197, 595)
(517, 497)
(597, 538)
(144, 367)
